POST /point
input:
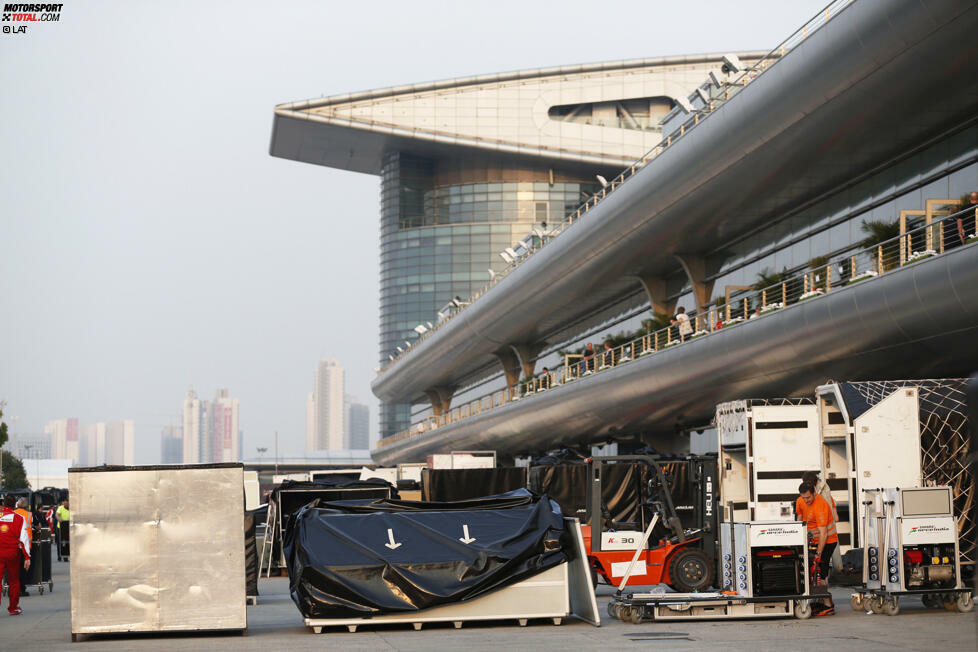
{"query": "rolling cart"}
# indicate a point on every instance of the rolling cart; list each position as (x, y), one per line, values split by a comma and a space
(764, 571)
(911, 549)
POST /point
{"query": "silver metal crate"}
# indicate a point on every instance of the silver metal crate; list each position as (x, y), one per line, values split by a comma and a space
(157, 549)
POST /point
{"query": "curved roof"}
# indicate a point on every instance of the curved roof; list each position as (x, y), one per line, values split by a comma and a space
(502, 114)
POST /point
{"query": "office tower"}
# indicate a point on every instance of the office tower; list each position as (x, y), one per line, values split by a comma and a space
(196, 418)
(357, 424)
(171, 445)
(120, 440)
(223, 440)
(64, 438)
(327, 408)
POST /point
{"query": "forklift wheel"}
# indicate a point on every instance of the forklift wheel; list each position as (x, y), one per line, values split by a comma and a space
(966, 603)
(803, 610)
(690, 571)
(892, 606)
(856, 602)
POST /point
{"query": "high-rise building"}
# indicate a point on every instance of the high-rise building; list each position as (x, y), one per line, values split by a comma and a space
(93, 444)
(120, 441)
(210, 430)
(171, 445)
(224, 437)
(196, 418)
(64, 438)
(357, 424)
(325, 430)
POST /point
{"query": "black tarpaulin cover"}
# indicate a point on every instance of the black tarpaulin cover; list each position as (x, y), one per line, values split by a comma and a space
(358, 559)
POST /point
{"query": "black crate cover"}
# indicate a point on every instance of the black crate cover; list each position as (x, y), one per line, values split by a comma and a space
(366, 558)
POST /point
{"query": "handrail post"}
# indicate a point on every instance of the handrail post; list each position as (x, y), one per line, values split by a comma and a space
(784, 293)
(763, 298)
(828, 277)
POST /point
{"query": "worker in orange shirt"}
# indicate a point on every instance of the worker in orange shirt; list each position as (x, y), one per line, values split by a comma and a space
(817, 513)
(28, 523)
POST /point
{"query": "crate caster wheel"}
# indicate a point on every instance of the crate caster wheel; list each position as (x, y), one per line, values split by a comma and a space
(876, 604)
(523, 622)
(417, 626)
(457, 623)
(350, 628)
(557, 621)
(803, 610)
(966, 603)
(611, 609)
(635, 615)
(891, 607)
(856, 602)
(930, 601)
(40, 589)
(317, 630)
(51, 586)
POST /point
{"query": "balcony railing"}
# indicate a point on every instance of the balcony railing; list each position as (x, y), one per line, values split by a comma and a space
(717, 97)
(822, 277)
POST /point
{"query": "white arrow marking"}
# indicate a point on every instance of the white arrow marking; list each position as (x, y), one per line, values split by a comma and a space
(390, 536)
(465, 535)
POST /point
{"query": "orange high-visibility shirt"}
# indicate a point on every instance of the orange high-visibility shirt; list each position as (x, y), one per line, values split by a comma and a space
(817, 515)
(27, 523)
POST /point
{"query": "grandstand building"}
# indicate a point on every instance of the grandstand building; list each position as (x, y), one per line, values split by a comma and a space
(802, 206)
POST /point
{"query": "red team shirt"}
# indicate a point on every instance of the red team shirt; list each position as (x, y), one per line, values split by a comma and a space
(13, 534)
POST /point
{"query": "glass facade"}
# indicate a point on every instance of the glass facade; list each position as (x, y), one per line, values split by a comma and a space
(443, 224)
(945, 169)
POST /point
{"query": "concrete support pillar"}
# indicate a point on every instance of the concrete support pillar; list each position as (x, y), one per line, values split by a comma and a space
(655, 289)
(511, 365)
(441, 399)
(695, 267)
(528, 356)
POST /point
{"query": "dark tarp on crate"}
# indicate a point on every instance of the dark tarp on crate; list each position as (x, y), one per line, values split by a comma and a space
(251, 554)
(358, 559)
(621, 488)
(447, 485)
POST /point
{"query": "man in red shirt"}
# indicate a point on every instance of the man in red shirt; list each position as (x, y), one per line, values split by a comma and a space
(13, 544)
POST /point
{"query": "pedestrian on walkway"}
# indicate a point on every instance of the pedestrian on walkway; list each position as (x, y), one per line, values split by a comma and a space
(13, 544)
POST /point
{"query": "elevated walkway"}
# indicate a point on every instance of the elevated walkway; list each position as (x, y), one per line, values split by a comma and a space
(905, 323)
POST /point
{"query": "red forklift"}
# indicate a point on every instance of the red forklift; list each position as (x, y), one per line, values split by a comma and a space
(681, 551)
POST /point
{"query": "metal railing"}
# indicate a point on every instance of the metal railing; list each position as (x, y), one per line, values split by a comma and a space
(823, 276)
(717, 97)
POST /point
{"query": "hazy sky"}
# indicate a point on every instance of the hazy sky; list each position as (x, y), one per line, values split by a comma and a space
(147, 239)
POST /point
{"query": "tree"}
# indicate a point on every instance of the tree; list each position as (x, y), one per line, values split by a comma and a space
(13, 474)
(878, 232)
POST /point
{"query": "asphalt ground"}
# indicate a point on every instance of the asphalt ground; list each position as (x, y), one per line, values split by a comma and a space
(275, 624)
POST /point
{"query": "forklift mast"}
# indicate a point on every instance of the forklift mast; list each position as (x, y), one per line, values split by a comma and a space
(693, 479)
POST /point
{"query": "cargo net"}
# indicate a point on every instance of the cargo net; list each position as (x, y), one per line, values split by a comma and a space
(945, 440)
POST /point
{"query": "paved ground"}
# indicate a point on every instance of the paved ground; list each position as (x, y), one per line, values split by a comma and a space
(275, 624)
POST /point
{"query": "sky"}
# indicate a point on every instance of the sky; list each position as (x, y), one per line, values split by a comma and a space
(149, 243)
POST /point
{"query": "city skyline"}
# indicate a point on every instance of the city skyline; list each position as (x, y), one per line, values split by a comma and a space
(113, 253)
